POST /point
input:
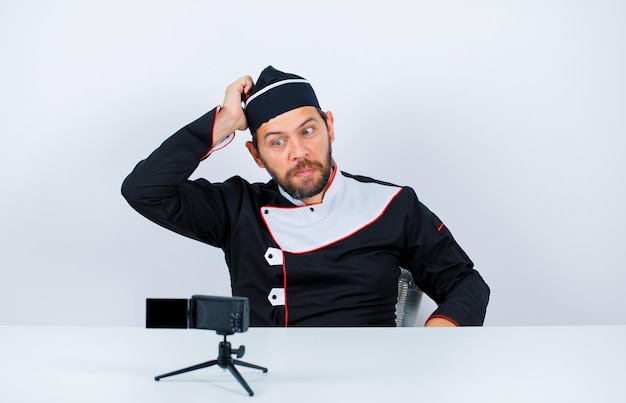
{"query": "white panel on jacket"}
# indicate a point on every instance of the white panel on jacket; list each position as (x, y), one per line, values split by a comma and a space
(348, 206)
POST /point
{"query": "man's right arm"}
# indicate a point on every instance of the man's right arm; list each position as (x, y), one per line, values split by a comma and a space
(159, 188)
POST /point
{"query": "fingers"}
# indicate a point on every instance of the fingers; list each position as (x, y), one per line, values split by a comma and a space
(247, 85)
(243, 86)
(231, 114)
(238, 91)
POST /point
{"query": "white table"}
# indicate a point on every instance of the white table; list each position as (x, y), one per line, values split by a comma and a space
(490, 364)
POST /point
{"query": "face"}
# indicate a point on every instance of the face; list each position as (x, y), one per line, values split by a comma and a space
(295, 148)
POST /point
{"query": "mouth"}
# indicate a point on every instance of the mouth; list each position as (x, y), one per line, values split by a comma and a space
(304, 172)
(305, 169)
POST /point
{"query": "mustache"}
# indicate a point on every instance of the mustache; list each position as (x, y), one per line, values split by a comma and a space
(305, 164)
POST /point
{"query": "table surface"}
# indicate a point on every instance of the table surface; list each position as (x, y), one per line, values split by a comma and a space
(489, 364)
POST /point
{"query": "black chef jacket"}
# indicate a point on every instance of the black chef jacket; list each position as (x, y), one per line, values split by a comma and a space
(335, 263)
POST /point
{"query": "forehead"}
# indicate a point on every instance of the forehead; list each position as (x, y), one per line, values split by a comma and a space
(290, 120)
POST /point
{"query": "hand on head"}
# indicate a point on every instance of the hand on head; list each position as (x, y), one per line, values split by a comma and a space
(231, 116)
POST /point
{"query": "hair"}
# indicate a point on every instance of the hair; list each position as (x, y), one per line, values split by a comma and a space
(319, 110)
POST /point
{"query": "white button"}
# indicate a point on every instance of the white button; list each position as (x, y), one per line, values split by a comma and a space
(277, 296)
(274, 257)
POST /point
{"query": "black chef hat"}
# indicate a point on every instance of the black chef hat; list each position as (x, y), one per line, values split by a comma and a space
(274, 93)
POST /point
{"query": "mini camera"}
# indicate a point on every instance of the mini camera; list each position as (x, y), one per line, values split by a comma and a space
(225, 315)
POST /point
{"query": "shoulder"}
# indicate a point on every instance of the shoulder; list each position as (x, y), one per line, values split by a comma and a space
(407, 191)
(236, 189)
(236, 182)
(367, 179)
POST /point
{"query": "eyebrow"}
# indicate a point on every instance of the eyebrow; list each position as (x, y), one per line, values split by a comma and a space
(300, 126)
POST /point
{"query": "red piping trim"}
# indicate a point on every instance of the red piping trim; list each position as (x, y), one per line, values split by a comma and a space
(332, 177)
(285, 292)
(268, 227)
(217, 110)
(284, 269)
(330, 243)
(440, 227)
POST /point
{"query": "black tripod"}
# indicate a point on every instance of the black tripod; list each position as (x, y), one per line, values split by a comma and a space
(224, 360)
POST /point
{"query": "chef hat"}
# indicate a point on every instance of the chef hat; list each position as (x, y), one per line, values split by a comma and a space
(276, 92)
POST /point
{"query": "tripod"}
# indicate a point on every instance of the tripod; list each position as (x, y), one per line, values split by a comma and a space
(225, 361)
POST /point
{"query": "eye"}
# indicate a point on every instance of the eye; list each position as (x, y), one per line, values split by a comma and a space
(308, 131)
(277, 142)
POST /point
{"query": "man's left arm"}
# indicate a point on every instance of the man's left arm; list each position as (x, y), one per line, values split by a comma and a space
(444, 271)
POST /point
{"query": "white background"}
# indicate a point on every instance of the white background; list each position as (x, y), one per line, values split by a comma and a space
(508, 118)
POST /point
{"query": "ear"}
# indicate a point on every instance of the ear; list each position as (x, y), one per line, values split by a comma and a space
(255, 154)
(330, 120)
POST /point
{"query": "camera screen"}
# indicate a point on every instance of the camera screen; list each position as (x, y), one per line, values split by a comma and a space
(166, 313)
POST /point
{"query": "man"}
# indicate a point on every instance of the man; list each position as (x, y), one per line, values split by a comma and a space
(314, 246)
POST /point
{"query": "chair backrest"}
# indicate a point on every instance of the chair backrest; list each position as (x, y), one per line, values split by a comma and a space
(409, 299)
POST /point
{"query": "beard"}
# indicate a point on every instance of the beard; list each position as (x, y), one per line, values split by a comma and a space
(308, 187)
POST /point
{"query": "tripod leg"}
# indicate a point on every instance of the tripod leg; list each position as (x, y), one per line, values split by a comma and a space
(238, 376)
(247, 364)
(188, 369)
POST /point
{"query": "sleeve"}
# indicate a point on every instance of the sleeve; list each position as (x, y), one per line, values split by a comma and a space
(443, 270)
(159, 189)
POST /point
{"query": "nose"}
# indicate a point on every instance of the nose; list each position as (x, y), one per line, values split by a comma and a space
(298, 149)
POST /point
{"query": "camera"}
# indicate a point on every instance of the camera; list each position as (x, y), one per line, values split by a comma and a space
(225, 315)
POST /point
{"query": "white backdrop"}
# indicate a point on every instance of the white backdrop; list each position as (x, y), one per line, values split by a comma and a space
(508, 118)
